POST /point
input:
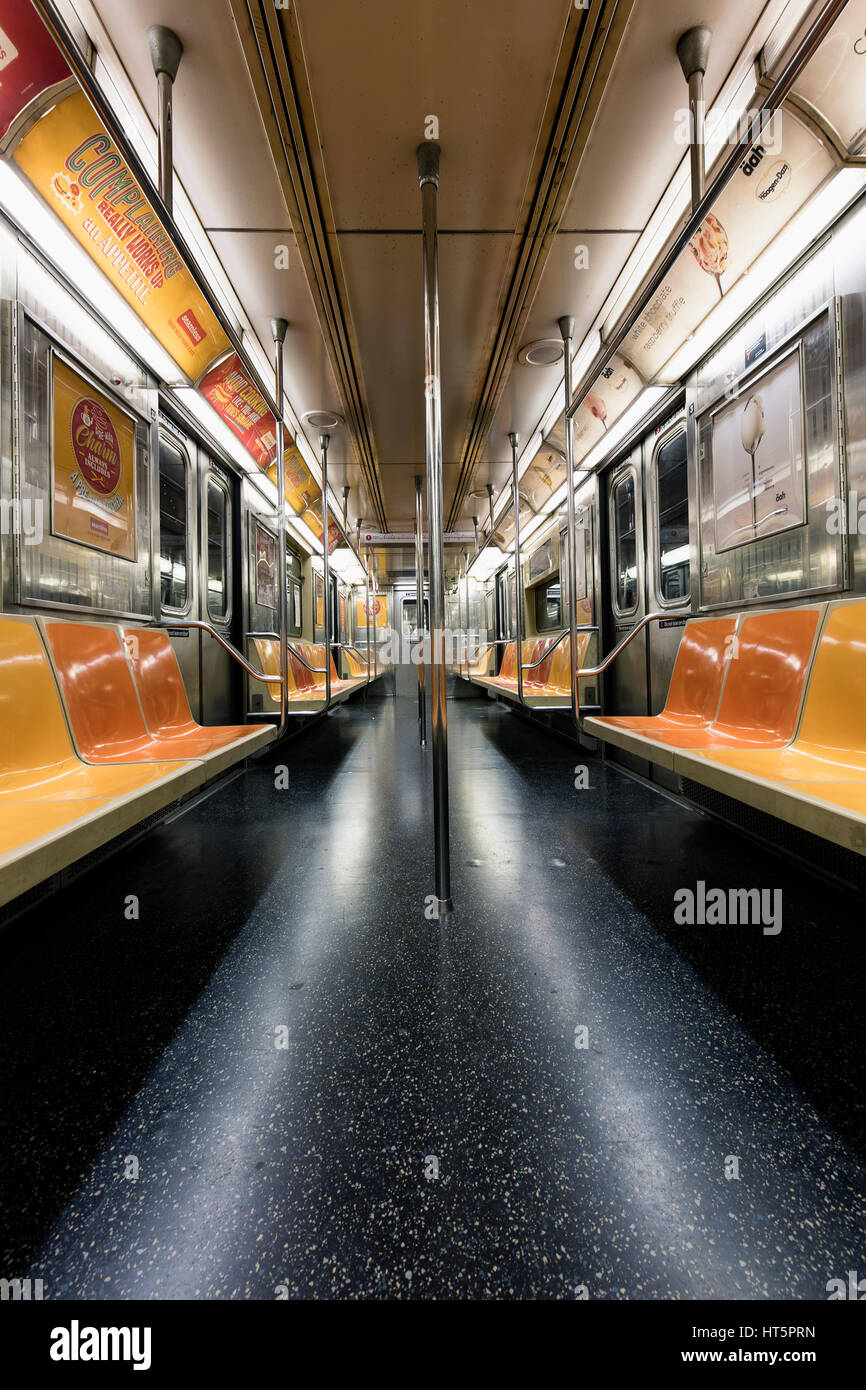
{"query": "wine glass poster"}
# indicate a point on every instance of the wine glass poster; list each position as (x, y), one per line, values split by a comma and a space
(757, 444)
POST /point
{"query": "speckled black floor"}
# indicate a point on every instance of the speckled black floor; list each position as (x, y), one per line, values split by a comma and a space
(159, 1141)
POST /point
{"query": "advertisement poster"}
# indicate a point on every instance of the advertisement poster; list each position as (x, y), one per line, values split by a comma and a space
(242, 406)
(266, 554)
(378, 607)
(320, 601)
(783, 169)
(30, 61)
(758, 473)
(93, 466)
(72, 161)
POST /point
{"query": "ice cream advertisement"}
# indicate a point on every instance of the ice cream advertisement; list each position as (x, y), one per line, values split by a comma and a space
(781, 172)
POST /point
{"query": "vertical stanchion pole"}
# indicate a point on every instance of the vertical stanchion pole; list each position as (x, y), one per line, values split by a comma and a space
(324, 441)
(419, 613)
(166, 51)
(514, 440)
(693, 51)
(367, 610)
(428, 179)
(375, 621)
(566, 328)
(279, 328)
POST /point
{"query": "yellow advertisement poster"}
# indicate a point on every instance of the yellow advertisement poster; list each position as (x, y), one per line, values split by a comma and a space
(72, 161)
(93, 466)
(378, 607)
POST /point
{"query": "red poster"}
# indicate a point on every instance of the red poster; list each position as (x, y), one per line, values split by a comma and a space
(335, 535)
(242, 407)
(30, 61)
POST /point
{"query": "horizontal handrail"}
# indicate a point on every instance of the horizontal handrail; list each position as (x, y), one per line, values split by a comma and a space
(638, 627)
(232, 651)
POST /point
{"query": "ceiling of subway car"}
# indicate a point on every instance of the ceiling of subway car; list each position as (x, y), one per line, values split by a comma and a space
(298, 127)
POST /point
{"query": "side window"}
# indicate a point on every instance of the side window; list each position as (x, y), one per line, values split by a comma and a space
(548, 606)
(218, 533)
(625, 544)
(173, 528)
(672, 502)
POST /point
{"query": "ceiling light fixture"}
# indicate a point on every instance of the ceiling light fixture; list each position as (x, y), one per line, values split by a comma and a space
(544, 352)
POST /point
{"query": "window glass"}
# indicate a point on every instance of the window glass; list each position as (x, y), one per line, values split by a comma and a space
(548, 606)
(625, 544)
(217, 549)
(672, 492)
(173, 527)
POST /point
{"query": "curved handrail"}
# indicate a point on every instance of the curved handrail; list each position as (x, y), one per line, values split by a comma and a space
(638, 627)
(582, 627)
(275, 637)
(232, 651)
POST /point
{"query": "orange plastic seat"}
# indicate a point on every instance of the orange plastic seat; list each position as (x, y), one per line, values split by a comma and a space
(696, 684)
(831, 743)
(535, 679)
(163, 698)
(761, 698)
(107, 719)
(37, 761)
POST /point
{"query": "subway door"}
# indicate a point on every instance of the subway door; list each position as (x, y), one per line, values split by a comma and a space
(219, 508)
(178, 560)
(626, 681)
(668, 558)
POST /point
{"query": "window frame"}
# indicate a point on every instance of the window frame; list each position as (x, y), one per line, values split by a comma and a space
(221, 482)
(172, 442)
(622, 476)
(678, 427)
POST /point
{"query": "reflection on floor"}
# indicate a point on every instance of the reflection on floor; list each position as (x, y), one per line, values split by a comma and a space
(283, 1081)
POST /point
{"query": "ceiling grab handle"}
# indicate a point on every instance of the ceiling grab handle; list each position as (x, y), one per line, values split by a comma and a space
(566, 328)
(428, 179)
(514, 441)
(420, 626)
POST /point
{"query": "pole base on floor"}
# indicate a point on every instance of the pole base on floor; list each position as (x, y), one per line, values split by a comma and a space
(444, 906)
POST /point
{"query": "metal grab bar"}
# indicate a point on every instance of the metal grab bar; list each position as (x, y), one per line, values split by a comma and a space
(638, 627)
(232, 651)
(273, 637)
(582, 627)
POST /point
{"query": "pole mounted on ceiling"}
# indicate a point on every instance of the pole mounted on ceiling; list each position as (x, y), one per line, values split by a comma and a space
(428, 180)
(566, 328)
(514, 441)
(419, 612)
(279, 328)
(491, 492)
(166, 51)
(346, 491)
(693, 51)
(324, 441)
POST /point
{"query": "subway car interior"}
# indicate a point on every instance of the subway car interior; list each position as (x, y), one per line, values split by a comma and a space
(433, 778)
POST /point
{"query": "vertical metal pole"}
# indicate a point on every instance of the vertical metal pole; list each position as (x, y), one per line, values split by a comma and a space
(324, 441)
(490, 494)
(475, 525)
(367, 608)
(566, 328)
(375, 622)
(279, 328)
(514, 440)
(693, 51)
(419, 613)
(166, 51)
(428, 179)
